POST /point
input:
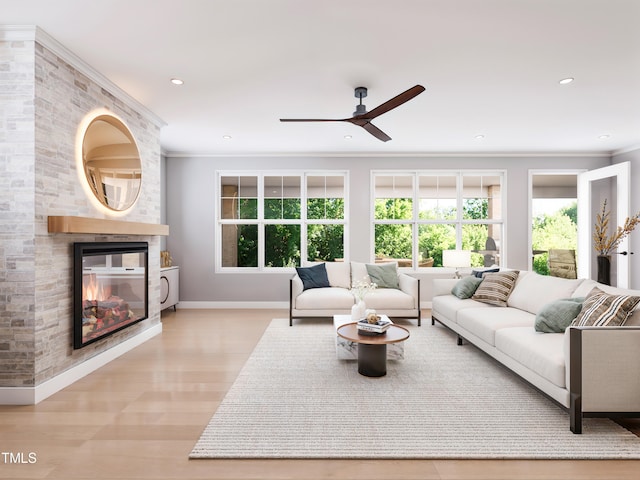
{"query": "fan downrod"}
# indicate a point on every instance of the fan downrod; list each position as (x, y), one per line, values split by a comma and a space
(360, 93)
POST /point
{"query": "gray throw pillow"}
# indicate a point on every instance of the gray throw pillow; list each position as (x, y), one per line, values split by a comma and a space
(385, 275)
(556, 316)
(466, 287)
(313, 277)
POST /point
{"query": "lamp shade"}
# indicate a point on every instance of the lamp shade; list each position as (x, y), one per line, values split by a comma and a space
(456, 258)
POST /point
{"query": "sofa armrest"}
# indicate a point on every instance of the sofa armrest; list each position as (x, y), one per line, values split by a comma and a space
(443, 286)
(411, 286)
(604, 375)
(408, 284)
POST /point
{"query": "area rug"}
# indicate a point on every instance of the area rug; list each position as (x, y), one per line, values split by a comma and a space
(295, 399)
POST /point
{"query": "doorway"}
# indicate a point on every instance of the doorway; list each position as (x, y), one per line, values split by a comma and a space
(553, 222)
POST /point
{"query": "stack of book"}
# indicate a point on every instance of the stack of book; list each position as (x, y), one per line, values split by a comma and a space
(380, 327)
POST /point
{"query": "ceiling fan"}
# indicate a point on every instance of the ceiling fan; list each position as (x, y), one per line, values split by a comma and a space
(363, 118)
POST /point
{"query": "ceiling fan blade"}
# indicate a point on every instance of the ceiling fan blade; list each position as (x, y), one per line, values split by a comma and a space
(375, 131)
(393, 103)
(313, 120)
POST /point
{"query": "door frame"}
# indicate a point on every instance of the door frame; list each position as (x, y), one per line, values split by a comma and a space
(620, 172)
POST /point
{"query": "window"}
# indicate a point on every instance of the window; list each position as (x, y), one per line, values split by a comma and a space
(417, 215)
(275, 221)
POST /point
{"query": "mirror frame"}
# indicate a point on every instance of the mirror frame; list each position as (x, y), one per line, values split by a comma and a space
(93, 145)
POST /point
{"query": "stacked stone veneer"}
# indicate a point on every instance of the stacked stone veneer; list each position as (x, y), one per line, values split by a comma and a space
(43, 99)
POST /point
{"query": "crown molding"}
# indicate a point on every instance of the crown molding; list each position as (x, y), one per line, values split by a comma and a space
(22, 33)
(170, 154)
(622, 151)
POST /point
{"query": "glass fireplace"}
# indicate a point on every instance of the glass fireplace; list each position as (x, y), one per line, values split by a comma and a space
(110, 289)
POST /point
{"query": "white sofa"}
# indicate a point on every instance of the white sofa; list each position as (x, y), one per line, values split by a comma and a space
(589, 371)
(337, 299)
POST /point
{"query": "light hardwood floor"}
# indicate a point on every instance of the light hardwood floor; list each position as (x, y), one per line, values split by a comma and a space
(139, 417)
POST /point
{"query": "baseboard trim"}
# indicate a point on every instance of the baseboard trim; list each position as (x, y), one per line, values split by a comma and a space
(34, 395)
(249, 305)
(232, 305)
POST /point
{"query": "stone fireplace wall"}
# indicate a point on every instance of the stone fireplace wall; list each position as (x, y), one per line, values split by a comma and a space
(47, 99)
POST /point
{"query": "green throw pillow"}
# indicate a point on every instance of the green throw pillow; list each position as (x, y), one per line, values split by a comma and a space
(556, 316)
(384, 275)
(466, 287)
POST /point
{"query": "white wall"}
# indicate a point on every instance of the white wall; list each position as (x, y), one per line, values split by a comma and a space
(634, 239)
(191, 198)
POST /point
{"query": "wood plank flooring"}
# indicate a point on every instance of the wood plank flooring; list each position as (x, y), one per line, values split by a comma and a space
(139, 417)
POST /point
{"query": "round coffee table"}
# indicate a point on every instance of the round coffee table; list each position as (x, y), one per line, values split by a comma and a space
(372, 349)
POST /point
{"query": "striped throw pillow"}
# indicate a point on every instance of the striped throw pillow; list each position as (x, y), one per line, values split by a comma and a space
(601, 309)
(496, 288)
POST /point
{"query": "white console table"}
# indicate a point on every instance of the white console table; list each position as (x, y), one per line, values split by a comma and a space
(169, 287)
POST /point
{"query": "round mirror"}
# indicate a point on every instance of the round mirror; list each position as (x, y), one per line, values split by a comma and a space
(111, 162)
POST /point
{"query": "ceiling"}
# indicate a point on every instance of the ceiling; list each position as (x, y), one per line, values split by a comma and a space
(490, 68)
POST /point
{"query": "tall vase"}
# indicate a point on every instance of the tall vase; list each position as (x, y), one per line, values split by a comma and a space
(358, 310)
(604, 269)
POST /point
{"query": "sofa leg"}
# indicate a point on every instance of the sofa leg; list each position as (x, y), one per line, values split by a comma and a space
(575, 414)
(460, 341)
(433, 322)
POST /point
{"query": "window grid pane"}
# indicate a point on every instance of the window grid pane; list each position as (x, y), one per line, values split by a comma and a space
(438, 223)
(281, 214)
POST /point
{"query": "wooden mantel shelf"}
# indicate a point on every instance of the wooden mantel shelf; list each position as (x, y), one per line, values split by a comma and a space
(64, 224)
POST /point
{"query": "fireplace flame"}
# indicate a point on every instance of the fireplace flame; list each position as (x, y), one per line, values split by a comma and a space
(92, 289)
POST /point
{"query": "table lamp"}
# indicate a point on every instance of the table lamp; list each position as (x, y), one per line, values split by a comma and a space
(456, 259)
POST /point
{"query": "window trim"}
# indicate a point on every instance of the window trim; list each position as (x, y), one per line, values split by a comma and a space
(261, 222)
(458, 222)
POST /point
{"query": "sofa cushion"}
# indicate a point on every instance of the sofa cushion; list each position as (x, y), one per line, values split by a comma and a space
(466, 287)
(313, 277)
(383, 299)
(533, 291)
(339, 274)
(324, 298)
(496, 288)
(485, 322)
(601, 309)
(556, 316)
(539, 352)
(384, 275)
(446, 307)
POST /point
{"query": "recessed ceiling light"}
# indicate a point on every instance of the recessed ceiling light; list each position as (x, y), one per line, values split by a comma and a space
(604, 137)
(566, 81)
(348, 137)
(226, 137)
(177, 81)
(479, 137)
